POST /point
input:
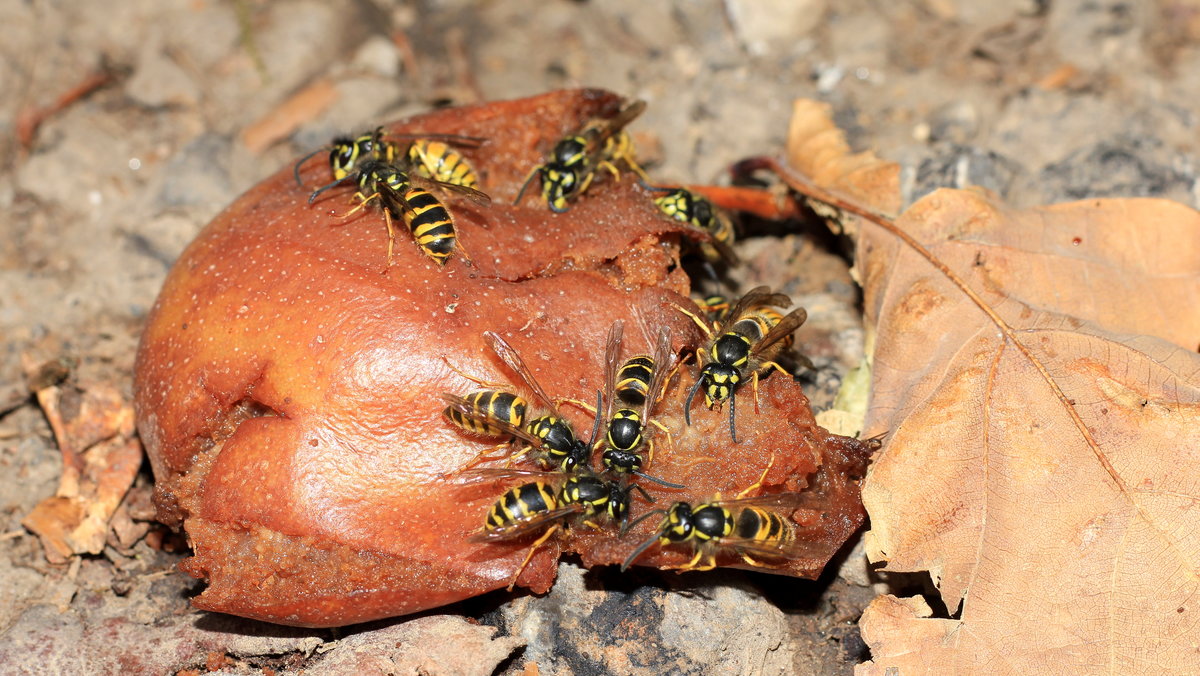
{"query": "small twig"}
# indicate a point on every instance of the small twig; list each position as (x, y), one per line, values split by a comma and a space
(412, 66)
(460, 63)
(30, 118)
(246, 37)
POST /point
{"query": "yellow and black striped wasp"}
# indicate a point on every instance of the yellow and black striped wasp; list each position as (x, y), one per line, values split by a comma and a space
(749, 527)
(685, 206)
(428, 155)
(744, 344)
(401, 197)
(488, 410)
(714, 306)
(552, 501)
(575, 159)
(632, 389)
(548, 435)
(436, 160)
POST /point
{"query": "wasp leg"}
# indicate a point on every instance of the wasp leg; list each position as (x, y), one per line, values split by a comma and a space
(636, 168)
(576, 402)
(587, 181)
(752, 562)
(517, 456)
(670, 439)
(612, 168)
(528, 180)
(528, 557)
(699, 562)
(690, 565)
(363, 200)
(767, 366)
(482, 383)
(387, 220)
(463, 252)
(762, 477)
(699, 322)
(485, 455)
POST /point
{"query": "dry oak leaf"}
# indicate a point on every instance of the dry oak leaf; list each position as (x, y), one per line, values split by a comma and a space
(1037, 374)
(1036, 370)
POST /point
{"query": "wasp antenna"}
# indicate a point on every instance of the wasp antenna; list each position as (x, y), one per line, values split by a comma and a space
(653, 188)
(596, 419)
(644, 494)
(687, 404)
(658, 481)
(528, 180)
(313, 197)
(732, 407)
(630, 525)
(641, 549)
(296, 168)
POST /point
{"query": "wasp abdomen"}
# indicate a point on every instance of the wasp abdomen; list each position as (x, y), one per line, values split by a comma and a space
(763, 526)
(633, 379)
(520, 504)
(437, 160)
(489, 405)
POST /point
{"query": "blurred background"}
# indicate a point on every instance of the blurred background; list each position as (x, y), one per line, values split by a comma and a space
(127, 126)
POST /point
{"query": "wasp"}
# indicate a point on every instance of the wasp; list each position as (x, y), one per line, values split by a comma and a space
(575, 159)
(436, 160)
(401, 197)
(632, 389)
(696, 210)
(744, 344)
(750, 527)
(714, 307)
(549, 434)
(552, 500)
(429, 155)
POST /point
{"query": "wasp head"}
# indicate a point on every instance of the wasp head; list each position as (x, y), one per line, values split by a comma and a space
(678, 525)
(719, 382)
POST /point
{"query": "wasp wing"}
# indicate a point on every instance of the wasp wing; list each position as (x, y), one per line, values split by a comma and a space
(756, 297)
(464, 407)
(497, 474)
(792, 549)
(783, 329)
(477, 196)
(513, 360)
(453, 139)
(526, 526)
(782, 502)
(625, 115)
(664, 362)
(612, 364)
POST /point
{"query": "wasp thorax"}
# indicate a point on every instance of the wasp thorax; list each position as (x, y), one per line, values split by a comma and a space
(569, 150)
(625, 430)
(731, 349)
(702, 211)
(712, 521)
(588, 491)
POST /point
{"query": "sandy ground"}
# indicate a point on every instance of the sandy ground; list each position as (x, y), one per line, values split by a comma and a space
(181, 106)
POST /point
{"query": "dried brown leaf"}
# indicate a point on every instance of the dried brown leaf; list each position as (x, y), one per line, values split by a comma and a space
(818, 149)
(289, 115)
(101, 456)
(1036, 372)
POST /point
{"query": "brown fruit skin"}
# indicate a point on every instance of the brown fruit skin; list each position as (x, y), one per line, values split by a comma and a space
(287, 382)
